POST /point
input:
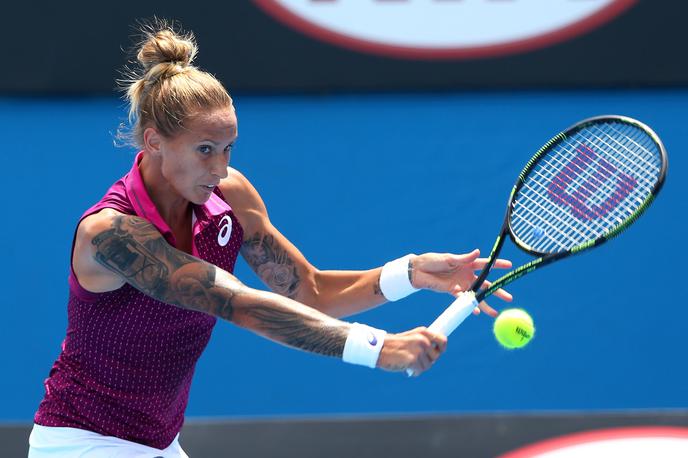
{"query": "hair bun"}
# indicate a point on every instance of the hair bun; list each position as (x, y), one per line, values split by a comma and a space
(164, 46)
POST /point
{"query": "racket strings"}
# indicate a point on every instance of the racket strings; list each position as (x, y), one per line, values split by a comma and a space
(628, 159)
(565, 230)
(607, 187)
(640, 170)
(563, 234)
(611, 195)
(594, 225)
(560, 213)
(585, 185)
(645, 170)
(648, 148)
(569, 173)
(590, 185)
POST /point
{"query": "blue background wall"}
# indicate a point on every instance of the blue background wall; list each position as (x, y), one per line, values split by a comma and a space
(355, 181)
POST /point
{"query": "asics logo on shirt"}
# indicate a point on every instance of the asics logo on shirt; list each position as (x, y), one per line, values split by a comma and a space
(225, 230)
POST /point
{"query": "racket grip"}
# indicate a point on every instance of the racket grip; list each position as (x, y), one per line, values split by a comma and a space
(453, 316)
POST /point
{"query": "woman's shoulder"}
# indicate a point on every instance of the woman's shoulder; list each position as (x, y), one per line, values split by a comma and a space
(234, 182)
(89, 273)
(238, 190)
(244, 199)
(95, 224)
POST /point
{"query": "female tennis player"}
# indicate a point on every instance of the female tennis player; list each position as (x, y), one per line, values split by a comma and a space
(151, 272)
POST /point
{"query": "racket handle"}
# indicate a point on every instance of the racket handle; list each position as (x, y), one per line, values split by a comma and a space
(453, 316)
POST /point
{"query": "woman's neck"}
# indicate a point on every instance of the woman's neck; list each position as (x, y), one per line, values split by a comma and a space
(172, 207)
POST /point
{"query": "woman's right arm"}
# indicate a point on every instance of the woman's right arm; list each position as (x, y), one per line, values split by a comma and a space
(112, 249)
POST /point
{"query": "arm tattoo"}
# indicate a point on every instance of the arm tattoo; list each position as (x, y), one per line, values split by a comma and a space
(272, 264)
(136, 251)
(410, 271)
(304, 332)
(376, 287)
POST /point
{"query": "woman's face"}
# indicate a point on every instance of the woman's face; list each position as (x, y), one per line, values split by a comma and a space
(195, 160)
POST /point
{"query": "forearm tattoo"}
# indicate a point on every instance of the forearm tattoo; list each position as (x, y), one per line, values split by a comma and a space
(377, 290)
(410, 271)
(376, 287)
(304, 332)
(272, 264)
(135, 250)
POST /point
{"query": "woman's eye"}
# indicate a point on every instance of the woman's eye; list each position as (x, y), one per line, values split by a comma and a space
(205, 149)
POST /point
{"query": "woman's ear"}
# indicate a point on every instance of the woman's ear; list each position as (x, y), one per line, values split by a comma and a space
(152, 141)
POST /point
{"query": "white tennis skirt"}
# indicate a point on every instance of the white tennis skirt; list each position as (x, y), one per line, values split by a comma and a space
(58, 442)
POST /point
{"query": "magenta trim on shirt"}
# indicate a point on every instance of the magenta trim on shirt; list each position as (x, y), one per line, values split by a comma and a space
(127, 360)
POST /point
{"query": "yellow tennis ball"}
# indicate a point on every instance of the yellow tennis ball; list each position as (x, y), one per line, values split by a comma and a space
(514, 328)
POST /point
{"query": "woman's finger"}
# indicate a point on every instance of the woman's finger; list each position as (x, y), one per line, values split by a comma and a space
(487, 309)
(500, 293)
(498, 264)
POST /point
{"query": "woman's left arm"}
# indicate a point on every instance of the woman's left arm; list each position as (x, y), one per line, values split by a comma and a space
(286, 271)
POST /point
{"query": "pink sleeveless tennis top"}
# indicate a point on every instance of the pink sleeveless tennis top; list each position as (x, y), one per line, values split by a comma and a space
(127, 361)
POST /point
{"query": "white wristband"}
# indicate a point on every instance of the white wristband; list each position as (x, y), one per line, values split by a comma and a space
(394, 279)
(363, 345)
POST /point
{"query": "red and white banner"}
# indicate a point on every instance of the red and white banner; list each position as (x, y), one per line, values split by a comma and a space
(444, 29)
(665, 442)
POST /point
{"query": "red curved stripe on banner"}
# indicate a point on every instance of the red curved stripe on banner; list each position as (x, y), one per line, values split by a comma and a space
(285, 16)
(558, 443)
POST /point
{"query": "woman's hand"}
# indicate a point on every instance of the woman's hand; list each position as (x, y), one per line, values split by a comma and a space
(454, 273)
(415, 350)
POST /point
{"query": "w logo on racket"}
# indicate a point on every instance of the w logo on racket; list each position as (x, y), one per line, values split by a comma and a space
(605, 184)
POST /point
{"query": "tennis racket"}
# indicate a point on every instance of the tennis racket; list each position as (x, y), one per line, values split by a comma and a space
(583, 187)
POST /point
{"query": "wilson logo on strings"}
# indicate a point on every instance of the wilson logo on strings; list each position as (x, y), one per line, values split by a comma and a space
(444, 29)
(607, 180)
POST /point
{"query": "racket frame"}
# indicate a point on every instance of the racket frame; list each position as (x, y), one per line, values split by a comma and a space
(548, 258)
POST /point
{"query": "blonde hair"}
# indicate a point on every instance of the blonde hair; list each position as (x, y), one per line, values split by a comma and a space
(165, 90)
